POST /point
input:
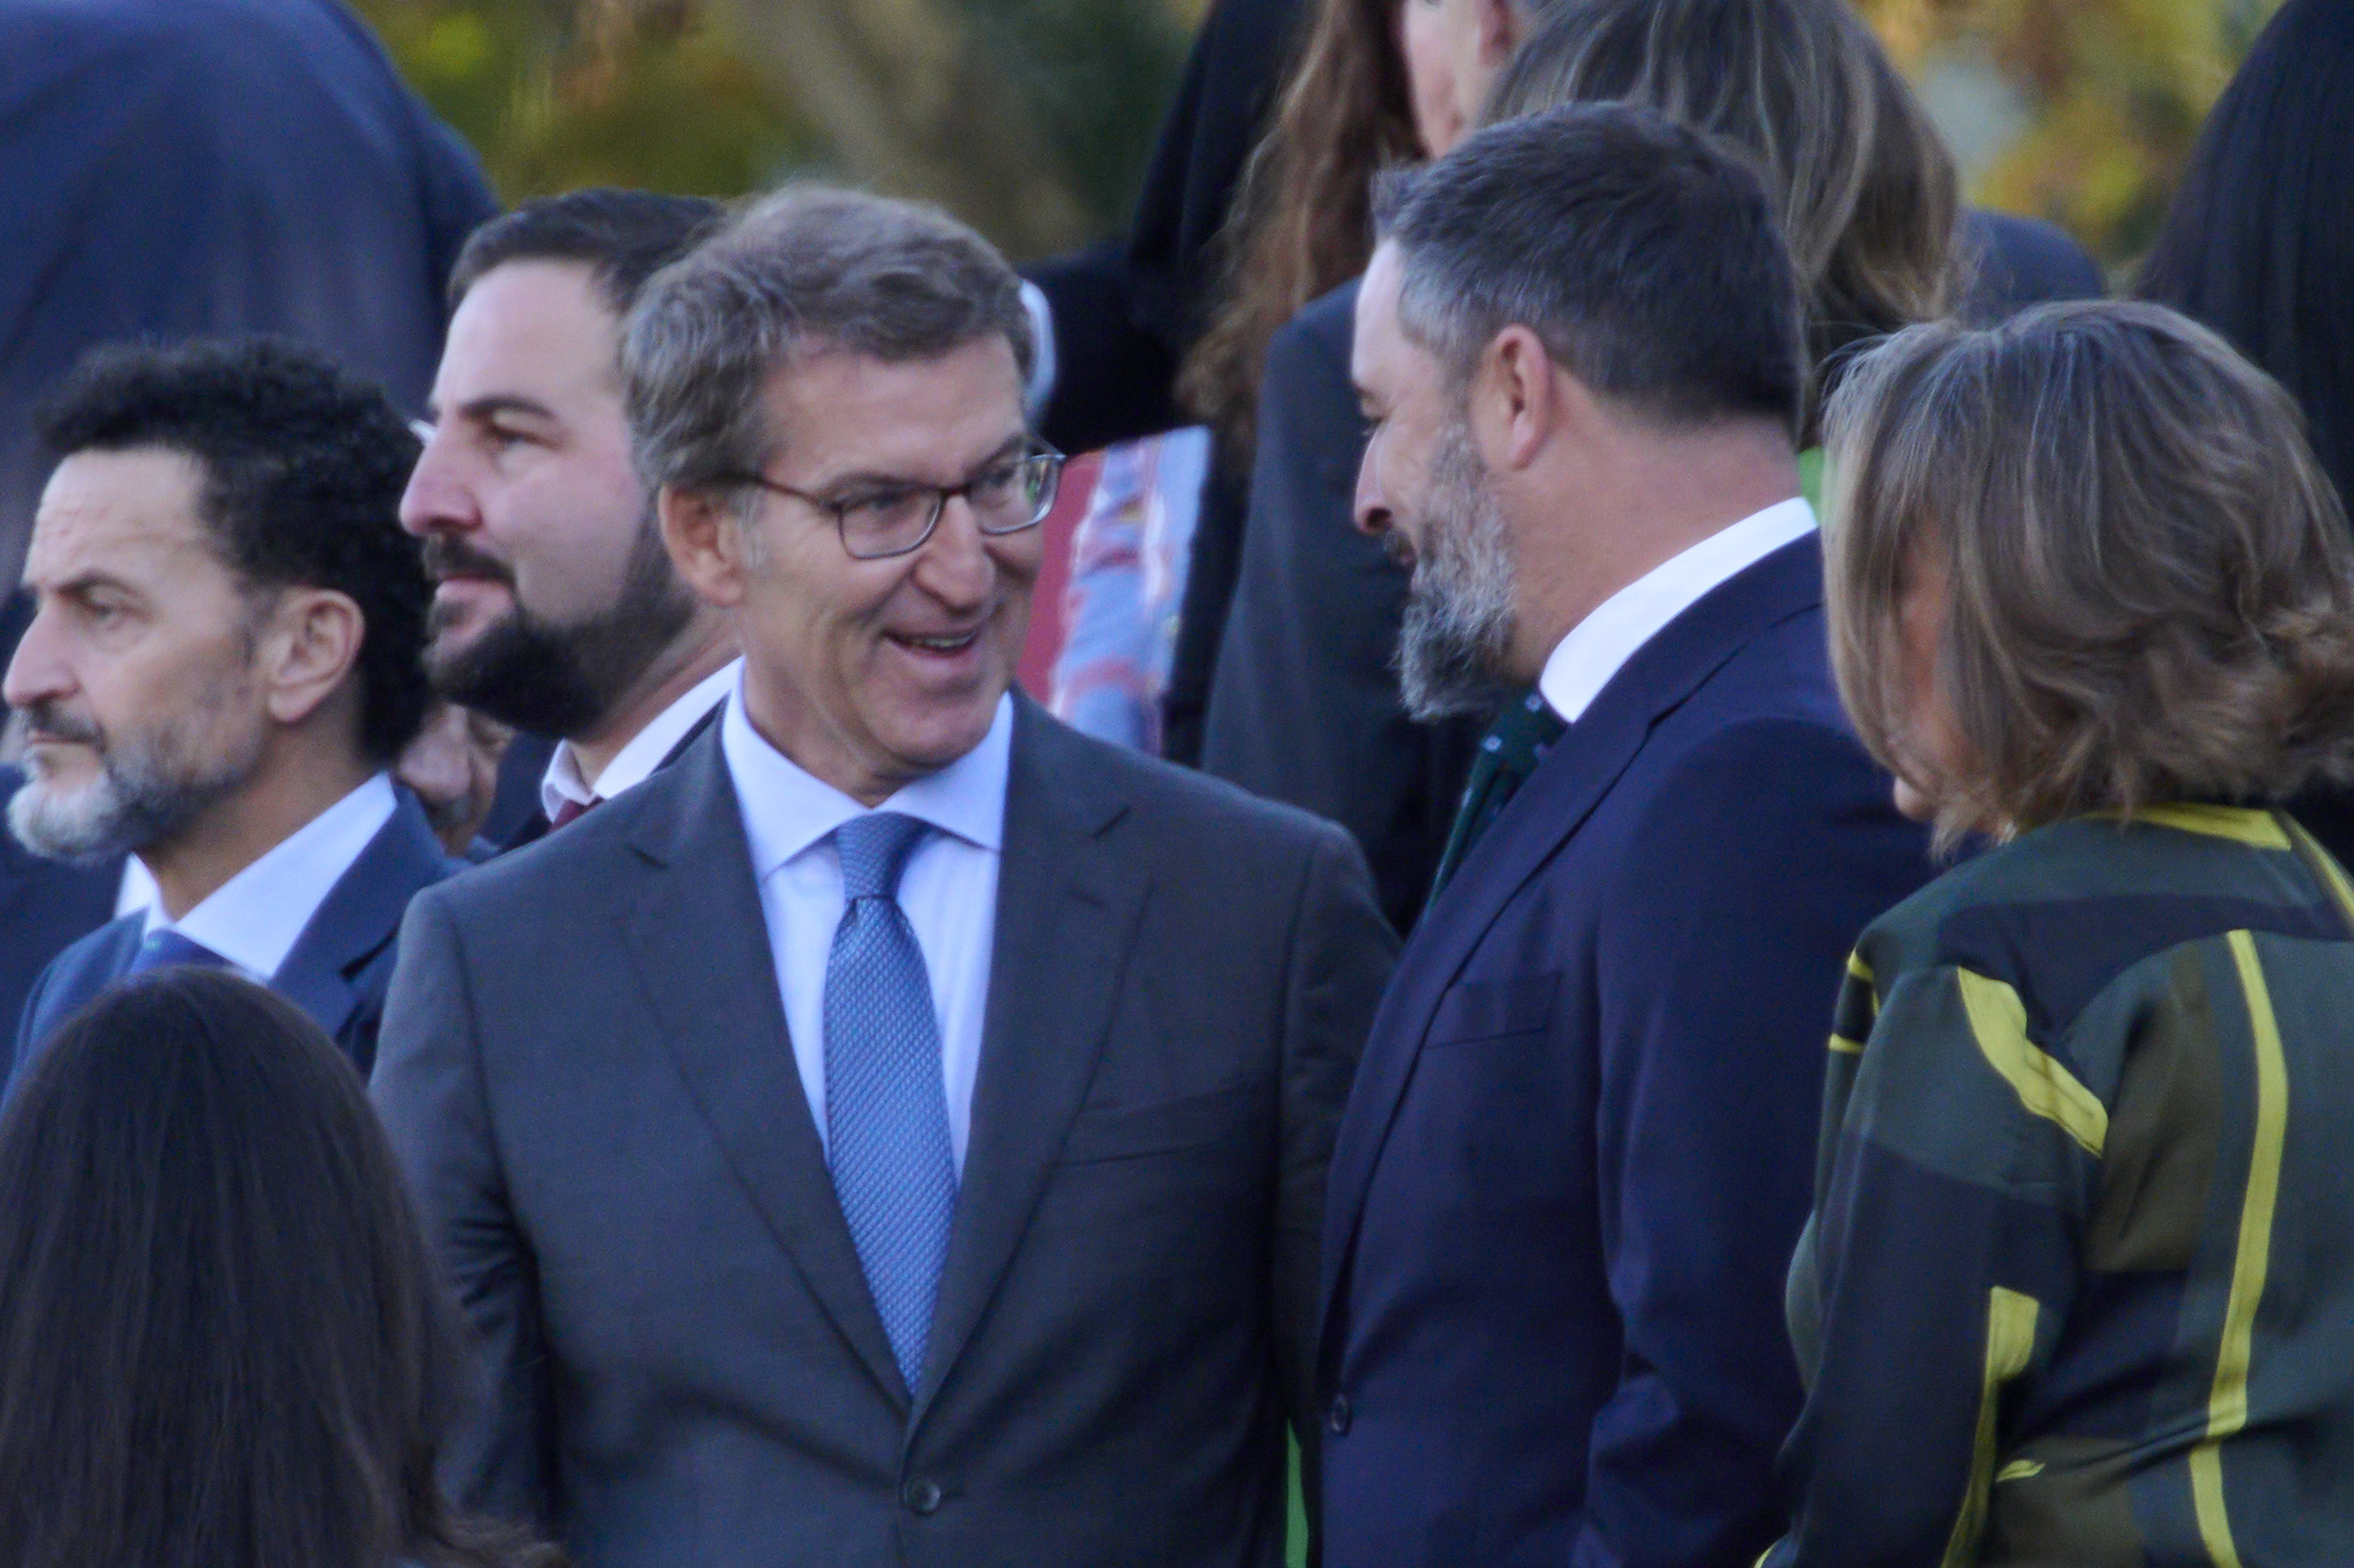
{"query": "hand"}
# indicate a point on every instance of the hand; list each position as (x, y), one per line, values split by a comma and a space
(453, 766)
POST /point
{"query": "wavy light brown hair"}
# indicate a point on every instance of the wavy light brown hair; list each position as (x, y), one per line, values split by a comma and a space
(2149, 589)
(1302, 222)
(1863, 186)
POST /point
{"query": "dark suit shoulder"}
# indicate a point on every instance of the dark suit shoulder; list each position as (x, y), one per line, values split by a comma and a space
(1323, 328)
(1181, 801)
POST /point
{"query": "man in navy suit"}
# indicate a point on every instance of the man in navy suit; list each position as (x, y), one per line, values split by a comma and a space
(224, 661)
(44, 906)
(1577, 1153)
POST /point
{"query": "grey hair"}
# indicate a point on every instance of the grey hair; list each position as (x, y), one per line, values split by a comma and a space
(807, 270)
(1645, 259)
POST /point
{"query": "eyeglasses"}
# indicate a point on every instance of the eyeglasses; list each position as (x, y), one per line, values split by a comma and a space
(893, 519)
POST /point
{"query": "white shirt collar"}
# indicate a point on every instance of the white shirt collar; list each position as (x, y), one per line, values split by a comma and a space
(634, 763)
(787, 809)
(255, 917)
(1596, 648)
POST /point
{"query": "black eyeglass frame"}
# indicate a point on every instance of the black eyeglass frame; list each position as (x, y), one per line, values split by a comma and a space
(941, 496)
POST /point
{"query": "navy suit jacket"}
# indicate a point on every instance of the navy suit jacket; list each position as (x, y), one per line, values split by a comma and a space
(337, 971)
(1580, 1147)
(44, 906)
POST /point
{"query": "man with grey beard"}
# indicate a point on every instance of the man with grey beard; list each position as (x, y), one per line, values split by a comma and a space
(1579, 1148)
(223, 663)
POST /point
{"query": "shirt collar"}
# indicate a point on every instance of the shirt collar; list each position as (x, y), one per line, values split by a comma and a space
(787, 809)
(634, 763)
(255, 917)
(1596, 648)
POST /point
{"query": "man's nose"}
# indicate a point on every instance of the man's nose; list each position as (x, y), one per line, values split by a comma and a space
(39, 672)
(955, 566)
(1372, 507)
(438, 499)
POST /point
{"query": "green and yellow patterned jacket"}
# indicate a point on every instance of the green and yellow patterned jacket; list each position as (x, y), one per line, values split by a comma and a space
(2079, 1286)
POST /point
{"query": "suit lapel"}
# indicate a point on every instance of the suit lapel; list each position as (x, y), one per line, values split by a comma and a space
(698, 934)
(1068, 907)
(1574, 779)
(359, 915)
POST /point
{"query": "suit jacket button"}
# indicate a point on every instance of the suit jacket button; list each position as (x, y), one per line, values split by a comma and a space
(922, 1497)
(1336, 1419)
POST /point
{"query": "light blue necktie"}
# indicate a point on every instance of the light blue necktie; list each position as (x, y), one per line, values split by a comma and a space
(164, 946)
(886, 1108)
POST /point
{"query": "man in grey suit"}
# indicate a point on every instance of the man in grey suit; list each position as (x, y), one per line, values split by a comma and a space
(909, 1146)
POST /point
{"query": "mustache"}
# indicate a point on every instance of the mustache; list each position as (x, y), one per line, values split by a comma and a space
(51, 722)
(448, 558)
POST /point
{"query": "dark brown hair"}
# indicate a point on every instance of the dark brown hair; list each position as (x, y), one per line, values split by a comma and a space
(2150, 592)
(1302, 222)
(221, 1343)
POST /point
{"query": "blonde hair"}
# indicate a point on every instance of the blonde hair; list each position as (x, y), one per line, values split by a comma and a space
(2149, 588)
(1863, 186)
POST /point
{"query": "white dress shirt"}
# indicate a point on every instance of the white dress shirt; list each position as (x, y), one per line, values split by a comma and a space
(1596, 648)
(634, 763)
(949, 890)
(255, 917)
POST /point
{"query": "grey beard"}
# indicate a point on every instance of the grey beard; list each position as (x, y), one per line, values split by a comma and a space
(143, 795)
(1459, 613)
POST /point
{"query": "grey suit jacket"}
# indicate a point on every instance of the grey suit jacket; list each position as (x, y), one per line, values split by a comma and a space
(585, 1071)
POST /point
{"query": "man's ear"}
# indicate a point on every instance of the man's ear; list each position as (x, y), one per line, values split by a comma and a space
(705, 540)
(308, 644)
(1515, 400)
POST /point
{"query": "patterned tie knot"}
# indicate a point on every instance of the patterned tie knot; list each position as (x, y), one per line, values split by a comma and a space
(875, 850)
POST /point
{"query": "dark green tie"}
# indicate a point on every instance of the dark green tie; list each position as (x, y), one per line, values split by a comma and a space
(1507, 754)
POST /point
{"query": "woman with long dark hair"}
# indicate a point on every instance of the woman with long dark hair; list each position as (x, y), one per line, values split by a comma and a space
(221, 1343)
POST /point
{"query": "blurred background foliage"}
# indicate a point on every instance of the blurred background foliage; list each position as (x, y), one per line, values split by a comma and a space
(1034, 118)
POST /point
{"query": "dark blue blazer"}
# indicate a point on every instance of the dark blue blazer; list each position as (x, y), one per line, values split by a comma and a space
(336, 973)
(44, 906)
(1580, 1147)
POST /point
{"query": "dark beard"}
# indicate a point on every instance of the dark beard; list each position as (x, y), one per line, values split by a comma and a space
(562, 680)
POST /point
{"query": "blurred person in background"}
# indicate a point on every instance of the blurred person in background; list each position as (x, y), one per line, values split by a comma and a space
(185, 168)
(2079, 1285)
(224, 662)
(1303, 705)
(1576, 1156)
(556, 608)
(929, 1166)
(2258, 245)
(222, 1341)
(1127, 579)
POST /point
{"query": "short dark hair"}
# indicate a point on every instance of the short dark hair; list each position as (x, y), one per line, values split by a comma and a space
(222, 1336)
(303, 470)
(623, 237)
(1644, 257)
(2258, 243)
(1861, 183)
